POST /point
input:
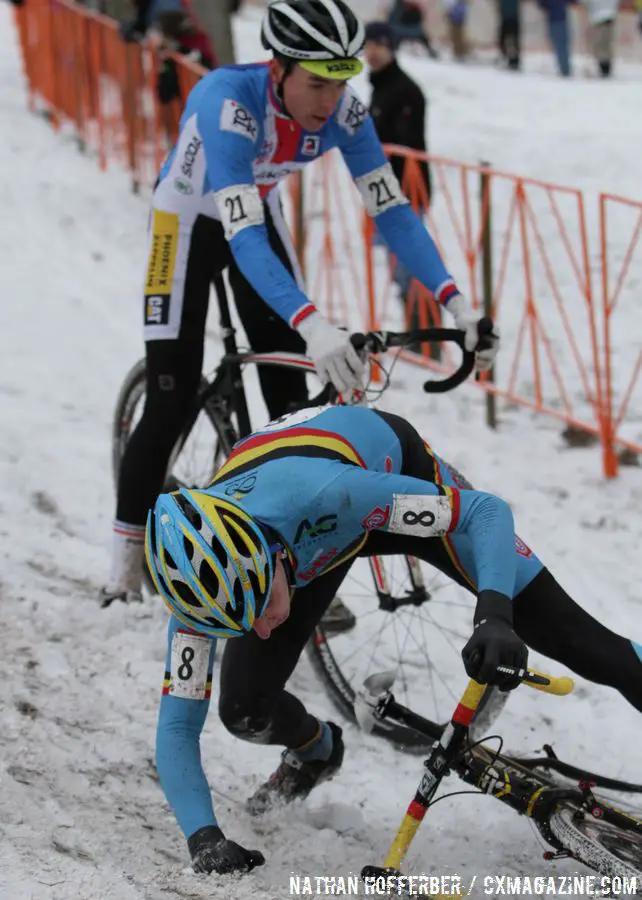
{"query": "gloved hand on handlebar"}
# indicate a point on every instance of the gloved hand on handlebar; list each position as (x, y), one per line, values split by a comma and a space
(494, 643)
(467, 320)
(336, 359)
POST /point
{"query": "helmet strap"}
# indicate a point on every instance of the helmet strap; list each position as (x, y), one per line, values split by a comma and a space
(288, 67)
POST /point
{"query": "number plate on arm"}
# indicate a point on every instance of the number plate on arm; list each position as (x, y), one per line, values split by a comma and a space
(189, 662)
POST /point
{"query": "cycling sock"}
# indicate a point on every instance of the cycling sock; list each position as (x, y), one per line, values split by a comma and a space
(128, 552)
(320, 747)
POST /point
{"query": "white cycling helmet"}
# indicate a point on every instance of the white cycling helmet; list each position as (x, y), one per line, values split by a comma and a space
(322, 36)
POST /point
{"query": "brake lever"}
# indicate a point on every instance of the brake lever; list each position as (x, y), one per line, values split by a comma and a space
(485, 332)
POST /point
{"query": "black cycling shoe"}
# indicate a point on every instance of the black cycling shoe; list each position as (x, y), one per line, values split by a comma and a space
(338, 618)
(293, 780)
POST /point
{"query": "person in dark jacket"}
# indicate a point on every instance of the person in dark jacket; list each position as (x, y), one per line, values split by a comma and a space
(559, 32)
(407, 22)
(510, 32)
(398, 110)
(177, 33)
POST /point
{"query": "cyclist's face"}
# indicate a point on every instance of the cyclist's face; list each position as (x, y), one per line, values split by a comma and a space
(310, 100)
(278, 608)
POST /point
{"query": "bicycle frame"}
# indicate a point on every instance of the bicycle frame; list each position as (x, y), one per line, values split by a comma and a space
(490, 772)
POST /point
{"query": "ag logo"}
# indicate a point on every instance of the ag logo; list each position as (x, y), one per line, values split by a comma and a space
(308, 531)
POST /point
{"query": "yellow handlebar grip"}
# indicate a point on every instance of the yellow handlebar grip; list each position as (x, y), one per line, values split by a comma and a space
(558, 686)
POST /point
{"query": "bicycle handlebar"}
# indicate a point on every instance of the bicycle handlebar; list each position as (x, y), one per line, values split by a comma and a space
(381, 341)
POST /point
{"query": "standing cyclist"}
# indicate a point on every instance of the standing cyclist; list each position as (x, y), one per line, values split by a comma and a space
(245, 129)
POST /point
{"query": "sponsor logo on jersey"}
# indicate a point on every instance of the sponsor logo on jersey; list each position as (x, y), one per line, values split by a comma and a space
(522, 548)
(309, 531)
(272, 176)
(237, 119)
(189, 158)
(317, 564)
(157, 310)
(160, 267)
(241, 486)
(352, 114)
(183, 187)
(376, 519)
(311, 145)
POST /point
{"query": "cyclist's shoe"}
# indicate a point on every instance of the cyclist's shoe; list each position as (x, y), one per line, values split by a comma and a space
(338, 618)
(294, 779)
(108, 596)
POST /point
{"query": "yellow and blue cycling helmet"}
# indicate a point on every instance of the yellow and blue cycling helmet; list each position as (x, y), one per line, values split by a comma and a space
(209, 561)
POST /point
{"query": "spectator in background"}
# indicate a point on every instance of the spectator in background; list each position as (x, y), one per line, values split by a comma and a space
(602, 15)
(406, 21)
(147, 13)
(176, 32)
(456, 13)
(398, 110)
(559, 32)
(639, 8)
(510, 32)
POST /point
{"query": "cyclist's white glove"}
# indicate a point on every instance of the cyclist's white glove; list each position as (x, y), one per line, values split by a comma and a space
(333, 354)
(467, 320)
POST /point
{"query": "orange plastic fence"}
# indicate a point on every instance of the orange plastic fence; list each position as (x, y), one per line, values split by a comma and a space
(542, 298)
(558, 355)
(620, 230)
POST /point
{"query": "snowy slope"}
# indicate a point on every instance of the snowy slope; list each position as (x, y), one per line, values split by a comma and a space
(82, 816)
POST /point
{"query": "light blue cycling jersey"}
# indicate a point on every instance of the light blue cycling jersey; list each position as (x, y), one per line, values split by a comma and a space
(323, 479)
(236, 144)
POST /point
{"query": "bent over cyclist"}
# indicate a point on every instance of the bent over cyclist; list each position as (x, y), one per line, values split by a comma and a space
(215, 207)
(232, 561)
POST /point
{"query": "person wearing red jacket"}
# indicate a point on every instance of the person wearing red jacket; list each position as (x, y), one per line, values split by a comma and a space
(177, 32)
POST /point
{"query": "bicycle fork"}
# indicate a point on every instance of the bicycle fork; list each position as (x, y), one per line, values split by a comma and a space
(437, 766)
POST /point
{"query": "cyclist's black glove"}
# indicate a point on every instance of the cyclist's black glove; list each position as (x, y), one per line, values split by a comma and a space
(494, 643)
(212, 852)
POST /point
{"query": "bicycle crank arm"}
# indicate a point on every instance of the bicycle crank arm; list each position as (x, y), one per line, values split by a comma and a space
(372, 699)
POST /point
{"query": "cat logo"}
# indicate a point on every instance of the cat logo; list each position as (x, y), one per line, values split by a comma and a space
(157, 310)
(160, 267)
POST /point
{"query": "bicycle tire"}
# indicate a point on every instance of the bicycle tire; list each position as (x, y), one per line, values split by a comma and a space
(130, 395)
(599, 844)
(341, 692)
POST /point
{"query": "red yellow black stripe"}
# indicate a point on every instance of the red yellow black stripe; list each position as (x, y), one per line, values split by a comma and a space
(453, 493)
(309, 442)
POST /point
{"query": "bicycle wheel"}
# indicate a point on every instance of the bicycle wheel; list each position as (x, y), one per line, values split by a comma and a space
(197, 454)
(609, 849)
(411, 626)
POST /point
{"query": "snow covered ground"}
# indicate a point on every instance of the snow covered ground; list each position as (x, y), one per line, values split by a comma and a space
(82, 816)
